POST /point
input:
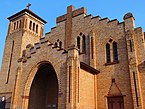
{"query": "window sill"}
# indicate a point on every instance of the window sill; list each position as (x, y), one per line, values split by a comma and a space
(112, 63)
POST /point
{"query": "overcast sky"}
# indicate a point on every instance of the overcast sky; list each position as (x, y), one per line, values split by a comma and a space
(50, 9)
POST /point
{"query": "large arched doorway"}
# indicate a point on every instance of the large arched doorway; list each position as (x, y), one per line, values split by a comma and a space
(44, 89)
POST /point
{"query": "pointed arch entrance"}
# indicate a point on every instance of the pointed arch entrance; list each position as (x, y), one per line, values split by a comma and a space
(44, 89)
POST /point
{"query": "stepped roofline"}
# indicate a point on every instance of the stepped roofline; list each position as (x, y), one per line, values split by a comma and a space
(26, 11)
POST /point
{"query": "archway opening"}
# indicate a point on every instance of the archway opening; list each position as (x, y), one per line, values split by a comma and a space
(44, 89)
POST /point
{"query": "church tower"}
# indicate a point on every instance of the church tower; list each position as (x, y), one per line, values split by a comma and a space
(25, 28)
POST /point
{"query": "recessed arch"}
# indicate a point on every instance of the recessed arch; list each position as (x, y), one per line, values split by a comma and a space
(39, 74)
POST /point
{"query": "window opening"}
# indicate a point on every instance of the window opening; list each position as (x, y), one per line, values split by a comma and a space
(78, 42)
(108, 53)
(115, 52)
(30, 25)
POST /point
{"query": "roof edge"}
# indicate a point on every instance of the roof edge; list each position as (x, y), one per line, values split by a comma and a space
(28, 11)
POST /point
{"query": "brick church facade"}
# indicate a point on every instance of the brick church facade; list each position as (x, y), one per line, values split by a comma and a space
(84, 62)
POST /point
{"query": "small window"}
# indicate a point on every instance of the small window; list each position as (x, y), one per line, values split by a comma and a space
(84, 43)
(20, 24)
(108, 59)
(78, 42)
(17, 25)
(55, 44)
(14, 25)
(33, 26)
(60, 44)
(36, 28)
(115, 52)
(30, 25)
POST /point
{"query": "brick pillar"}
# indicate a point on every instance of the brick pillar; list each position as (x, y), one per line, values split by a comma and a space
(72, 71)
(10, 28)
(92, 49)
(134, 74)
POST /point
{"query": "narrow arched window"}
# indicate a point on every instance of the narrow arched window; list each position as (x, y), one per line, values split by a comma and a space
(115, 52)
(60, 44)
(14, 25)
(20, 24)
(84, 43)
(17, 24)
(30, 25)
(108, 58)
(33, 26)
(55, 45)
(78, 42)
(36, 28)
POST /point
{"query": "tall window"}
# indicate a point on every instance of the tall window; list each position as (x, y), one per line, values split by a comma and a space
(78, 42)
(108, 58)
(17, 25)
(115, 52)
(30, 25)
(60, 44)
(33, 26)
(20, 24)
(14, 25)
(84, 44)
(36, 28)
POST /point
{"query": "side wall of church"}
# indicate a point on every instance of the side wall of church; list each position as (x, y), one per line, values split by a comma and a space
(86, 90)
(105, 30)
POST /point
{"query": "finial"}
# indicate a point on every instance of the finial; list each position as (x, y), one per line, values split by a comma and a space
(28, 6)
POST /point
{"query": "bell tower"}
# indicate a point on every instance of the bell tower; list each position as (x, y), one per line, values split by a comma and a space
(25, 27)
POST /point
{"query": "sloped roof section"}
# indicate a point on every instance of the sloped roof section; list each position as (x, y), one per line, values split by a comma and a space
(27, 11)
(88, 68)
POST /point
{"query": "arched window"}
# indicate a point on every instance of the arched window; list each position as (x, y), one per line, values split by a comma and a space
(14, 25)
(115, 52)
(20, 24)
(30, 25)
(108, 58)
(78, 42)
(17, 25)
(60, 44)
(55, 45)
(84, 43)
(33, 26)
(36, 28)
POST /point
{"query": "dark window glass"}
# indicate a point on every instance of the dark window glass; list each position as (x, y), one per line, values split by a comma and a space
(115, 52)
(60, 44)
(33, 26)
(108, 53)
(20, 24)
(84, 44)
(36, 28)
(78, 42)
(30, 25)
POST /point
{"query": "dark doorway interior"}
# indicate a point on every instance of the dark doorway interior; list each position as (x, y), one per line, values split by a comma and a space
(115, 102)
(44, 89)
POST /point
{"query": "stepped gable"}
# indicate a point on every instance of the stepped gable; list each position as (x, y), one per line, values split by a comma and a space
(80, 11)
(74, 13)
(30, 49)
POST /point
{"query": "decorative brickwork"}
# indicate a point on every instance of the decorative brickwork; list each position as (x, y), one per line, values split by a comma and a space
(92, 62)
